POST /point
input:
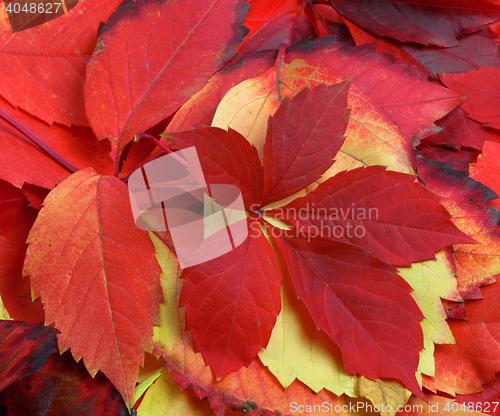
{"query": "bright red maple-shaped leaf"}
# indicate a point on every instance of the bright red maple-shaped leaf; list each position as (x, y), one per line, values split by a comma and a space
(486, 169)
(295, 151)
(62, 387)
(387, 213)
(427, 22)
(86, 228)
(24, 349)
(204, 291)
(232, 303)
(131, 86)
(361, 303)
(482, 90)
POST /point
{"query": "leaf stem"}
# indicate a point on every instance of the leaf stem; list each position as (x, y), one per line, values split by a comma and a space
(279, 60)
(320, 18)
(54, 155)
(162, 147)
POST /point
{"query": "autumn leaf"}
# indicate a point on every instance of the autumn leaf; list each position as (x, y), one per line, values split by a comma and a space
(96, 298)
(366, 207)
(25, 348)
(153, 86)
(50, 60)
(482, 171)
(428, 22)
(62, 387)
(480, 104)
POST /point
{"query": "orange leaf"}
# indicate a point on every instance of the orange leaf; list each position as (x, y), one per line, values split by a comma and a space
(97, 276)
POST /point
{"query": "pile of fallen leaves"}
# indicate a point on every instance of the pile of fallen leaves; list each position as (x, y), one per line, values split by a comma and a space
(364, 137)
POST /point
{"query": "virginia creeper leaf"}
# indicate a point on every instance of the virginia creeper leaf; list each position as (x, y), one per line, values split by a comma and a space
(361, 303)
(43, 68)
(132, 85)
(435, 23)
(95, 272)
(389, 214)
(465, 199)
(294, 151)
(232, 303)
(62, 388)
(245, 389)
(24, 349)
(463, 368)
(482, 104)
(483, 171)
(459, 130)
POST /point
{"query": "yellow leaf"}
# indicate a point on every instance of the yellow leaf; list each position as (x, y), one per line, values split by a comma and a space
(432, 280)
(386, 396)
(163, 398)
(298, 350)
(148, 373)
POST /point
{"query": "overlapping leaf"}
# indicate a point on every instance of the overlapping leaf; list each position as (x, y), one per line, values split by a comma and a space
(24, 349)
(135, 79)
(95, 272)
(232, 303)
(396, 219)
(361, 303)
(43, 68)
(482, 104)
(427, 22)
(62, 387)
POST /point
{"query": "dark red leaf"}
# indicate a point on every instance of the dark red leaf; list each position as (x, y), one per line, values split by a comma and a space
(459, 130)
(427, 22)
(232, 303)
(361, 303)
(62, 388)
(303, 137)
(482, 90)
(24, 349)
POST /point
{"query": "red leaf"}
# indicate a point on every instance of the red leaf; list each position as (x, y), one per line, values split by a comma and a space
(97, 276)
(286, 28)
(361, 303)
(486, 168)
(16, 220)
(62, 388)
(412, 102)
(226, 157)
(466, 200)
(482, 88)
(388, 213)
(296, 152)
(43, 68)
(24, 349)
(232, 303)
(459, 130)
(76, 144)
(131, 86)
(474, 51)
(427, 22)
